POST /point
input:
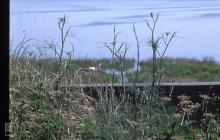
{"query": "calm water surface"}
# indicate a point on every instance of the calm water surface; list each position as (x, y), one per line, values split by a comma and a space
(197, 23)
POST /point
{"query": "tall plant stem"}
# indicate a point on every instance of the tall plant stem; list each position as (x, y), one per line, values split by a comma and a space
(136, 77)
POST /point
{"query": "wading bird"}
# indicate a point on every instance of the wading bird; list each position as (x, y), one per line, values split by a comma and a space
(91, 69)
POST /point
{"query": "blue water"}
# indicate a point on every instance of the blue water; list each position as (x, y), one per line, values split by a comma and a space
(197, 23)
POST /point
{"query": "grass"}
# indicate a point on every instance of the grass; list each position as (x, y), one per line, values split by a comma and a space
(182, 70)
(40, 109)
(51, 66)
(177, 70)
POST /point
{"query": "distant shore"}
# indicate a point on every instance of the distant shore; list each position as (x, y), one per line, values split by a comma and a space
(177, 69)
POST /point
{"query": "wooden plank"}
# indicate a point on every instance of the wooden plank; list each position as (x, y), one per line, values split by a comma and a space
(147, 84)
(173, 90)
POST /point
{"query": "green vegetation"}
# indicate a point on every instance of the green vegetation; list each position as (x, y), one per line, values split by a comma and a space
(182, 70)
(106, 63)
(177, 70)
(51, 66)
(41, 109)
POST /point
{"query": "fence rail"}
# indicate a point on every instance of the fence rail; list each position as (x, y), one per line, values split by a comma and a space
(173, 90)
(192, 89)
(190, 84)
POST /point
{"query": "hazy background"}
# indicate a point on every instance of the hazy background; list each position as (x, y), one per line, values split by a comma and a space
(197, 23)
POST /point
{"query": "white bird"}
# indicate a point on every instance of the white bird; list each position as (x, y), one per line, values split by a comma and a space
(91, 69)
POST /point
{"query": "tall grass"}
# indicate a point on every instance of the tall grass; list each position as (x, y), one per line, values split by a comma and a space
(42, 109)
(39, 110)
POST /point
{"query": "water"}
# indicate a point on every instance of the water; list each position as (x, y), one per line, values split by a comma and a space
(197, 23)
